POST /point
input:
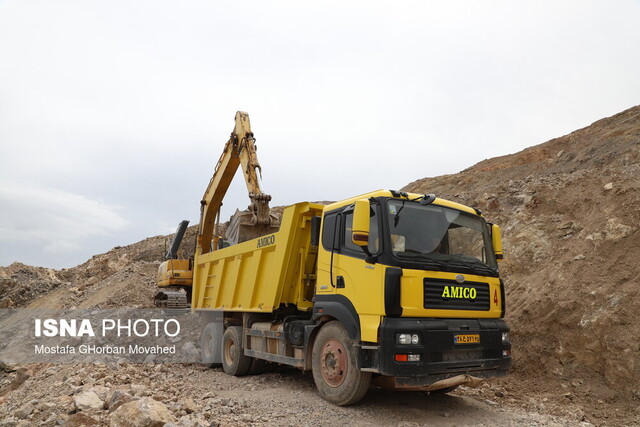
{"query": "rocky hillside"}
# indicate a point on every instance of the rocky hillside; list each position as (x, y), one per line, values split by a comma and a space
(569, 209)
(123, 277)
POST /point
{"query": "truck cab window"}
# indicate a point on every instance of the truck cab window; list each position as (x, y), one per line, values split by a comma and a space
(440, 235)
(329, 231)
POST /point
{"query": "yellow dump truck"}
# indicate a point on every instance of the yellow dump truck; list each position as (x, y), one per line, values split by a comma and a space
(393, 288)
(397, 289)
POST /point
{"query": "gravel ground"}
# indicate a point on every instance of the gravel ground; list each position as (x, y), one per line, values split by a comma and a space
(199, 396)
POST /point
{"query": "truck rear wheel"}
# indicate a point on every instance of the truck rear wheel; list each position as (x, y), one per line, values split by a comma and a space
(211, 343)
(335, 371)
(234, 361)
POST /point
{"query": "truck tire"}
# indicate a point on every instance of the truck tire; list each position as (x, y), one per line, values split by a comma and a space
(257, 366)
(234, 361)
(211, 343)
(335, 371)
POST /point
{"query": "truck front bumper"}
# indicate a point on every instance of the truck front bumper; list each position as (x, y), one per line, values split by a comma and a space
(443, 350)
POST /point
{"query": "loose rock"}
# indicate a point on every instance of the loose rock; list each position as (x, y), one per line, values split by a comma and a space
(145, 412)
(87, 400)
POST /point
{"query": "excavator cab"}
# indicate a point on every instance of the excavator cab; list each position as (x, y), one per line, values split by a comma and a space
(175, 276)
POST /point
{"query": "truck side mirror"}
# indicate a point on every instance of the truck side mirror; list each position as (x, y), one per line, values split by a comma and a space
(496, 241)
(360, 229)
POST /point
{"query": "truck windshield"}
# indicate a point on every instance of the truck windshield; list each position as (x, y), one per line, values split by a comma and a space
(440, 238)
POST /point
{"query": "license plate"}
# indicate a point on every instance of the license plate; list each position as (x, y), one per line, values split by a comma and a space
(466, 339)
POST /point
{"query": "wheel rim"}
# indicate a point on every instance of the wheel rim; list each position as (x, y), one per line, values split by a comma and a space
(333, 363)
(229, 352)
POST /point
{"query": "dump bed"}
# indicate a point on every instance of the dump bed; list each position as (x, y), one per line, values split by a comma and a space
(261, 274)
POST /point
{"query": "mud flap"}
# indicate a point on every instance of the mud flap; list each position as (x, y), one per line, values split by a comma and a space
(422, 384)
(465, 379)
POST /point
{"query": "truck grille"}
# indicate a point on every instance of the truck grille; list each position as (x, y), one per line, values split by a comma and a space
(450, 295)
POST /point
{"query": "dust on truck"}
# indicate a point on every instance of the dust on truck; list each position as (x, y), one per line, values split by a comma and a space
(396, 289)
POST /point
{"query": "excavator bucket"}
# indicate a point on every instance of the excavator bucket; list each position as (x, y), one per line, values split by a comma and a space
(244, 226)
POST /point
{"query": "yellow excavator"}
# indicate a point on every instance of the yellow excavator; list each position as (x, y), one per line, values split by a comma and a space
(175, 276)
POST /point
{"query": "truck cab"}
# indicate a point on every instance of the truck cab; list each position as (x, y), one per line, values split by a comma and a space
(415, 281)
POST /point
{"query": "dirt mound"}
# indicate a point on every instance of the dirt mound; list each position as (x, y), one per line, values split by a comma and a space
(21, 283)
(569, 213)
(123, 276)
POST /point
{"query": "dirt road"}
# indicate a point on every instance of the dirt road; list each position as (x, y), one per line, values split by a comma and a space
(199, 396)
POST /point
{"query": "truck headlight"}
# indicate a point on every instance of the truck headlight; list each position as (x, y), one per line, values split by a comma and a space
(408, 339)
(505, 337)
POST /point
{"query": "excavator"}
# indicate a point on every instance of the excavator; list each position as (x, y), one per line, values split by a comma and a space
(175, 276)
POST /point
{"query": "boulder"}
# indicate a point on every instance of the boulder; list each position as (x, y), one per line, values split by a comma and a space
(87, 400)
(145, 412)
(117, 399)
(79, 420)
(100, 391)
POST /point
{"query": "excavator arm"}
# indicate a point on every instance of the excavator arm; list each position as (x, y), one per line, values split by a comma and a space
(175, 276)
(240, 150)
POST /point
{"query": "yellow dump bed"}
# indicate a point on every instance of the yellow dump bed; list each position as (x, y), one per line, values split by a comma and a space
(261, 274)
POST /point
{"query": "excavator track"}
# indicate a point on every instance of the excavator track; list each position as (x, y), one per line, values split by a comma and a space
(172, 298)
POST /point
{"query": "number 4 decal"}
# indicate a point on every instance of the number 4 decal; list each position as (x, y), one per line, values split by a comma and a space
(495, 297)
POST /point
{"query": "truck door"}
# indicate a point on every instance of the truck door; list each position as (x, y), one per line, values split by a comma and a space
(343, 271)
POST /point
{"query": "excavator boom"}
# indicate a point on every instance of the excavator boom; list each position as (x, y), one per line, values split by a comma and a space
(240, 150)
(175, 276)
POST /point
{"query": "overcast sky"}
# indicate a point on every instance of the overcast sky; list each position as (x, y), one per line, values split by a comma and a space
(114, 113)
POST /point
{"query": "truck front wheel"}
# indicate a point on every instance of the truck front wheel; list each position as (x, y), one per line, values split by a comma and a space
(335, 371)
(234, 361)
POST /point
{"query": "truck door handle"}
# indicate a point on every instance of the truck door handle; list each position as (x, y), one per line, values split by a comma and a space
(340, 282)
